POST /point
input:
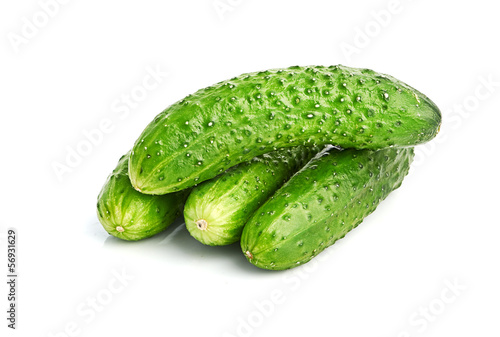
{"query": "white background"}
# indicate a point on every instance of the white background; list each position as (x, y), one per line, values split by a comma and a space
(69, 75)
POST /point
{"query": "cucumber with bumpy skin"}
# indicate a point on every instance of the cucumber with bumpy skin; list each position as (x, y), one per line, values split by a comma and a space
(130, 215)
(217, 209)
(233, 121)
(327, 198)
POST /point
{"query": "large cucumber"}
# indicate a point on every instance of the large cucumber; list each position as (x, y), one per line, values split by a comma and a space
(233, 121)
(130, 215)
(217, 209)
(327, 198)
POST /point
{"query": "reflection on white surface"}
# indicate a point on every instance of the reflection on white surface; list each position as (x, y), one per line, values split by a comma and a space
(175, 245)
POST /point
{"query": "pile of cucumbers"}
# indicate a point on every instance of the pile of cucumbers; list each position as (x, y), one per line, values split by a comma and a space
(286, 161)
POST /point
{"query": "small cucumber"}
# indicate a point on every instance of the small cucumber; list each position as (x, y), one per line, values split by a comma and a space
(233, 121)
(130, 215)
(327, 198)
(217, 209)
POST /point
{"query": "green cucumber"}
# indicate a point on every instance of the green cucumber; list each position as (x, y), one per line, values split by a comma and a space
(217, 209)
(327, 198)
(215, 128)
(129, 215)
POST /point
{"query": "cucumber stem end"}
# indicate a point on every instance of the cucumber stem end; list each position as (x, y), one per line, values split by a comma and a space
(248, 254)
(202, 224)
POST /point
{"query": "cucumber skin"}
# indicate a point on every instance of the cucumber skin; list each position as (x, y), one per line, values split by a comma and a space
(227, 201)
(141, 215)
(327, 198)
(233, 121)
